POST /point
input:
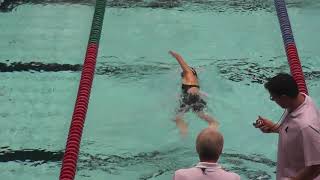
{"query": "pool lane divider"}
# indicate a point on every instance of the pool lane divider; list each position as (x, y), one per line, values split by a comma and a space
(290, 46)
(70, 158)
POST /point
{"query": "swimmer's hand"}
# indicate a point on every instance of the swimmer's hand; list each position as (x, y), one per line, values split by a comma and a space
(175, 55)
(265, 125)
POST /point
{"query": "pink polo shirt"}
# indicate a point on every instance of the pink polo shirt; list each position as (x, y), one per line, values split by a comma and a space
(299, 140)
(211, 171)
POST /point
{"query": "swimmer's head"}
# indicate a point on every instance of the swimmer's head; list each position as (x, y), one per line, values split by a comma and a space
(193, 71)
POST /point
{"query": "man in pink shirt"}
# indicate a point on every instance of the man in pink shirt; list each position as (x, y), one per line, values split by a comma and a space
(299, 130)
(209, 146)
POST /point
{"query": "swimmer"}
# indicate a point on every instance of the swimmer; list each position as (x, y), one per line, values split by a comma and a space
(190, 97)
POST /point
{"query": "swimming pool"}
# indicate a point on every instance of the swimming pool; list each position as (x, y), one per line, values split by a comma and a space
(128, 132)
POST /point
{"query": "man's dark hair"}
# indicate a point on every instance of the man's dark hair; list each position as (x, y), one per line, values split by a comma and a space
(282, 84)
(209, 144)
(208, 152)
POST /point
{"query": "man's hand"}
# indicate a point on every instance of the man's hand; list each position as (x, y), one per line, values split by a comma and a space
(264, 125)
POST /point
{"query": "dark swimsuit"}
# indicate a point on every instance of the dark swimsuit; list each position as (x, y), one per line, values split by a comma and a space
(188, 101)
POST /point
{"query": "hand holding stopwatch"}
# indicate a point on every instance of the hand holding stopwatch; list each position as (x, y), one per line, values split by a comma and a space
(259, 122)
(264, 125)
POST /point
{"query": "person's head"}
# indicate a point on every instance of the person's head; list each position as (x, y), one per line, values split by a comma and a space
(283, 89)
(193, 71)
(209, 145)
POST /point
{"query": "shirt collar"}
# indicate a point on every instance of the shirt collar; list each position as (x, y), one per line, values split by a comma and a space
(298, 110)
(208, 165)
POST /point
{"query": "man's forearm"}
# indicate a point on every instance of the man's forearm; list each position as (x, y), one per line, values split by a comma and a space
(308, 173)
(275, 128)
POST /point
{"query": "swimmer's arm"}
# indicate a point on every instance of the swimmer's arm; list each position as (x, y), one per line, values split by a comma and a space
(181, 61)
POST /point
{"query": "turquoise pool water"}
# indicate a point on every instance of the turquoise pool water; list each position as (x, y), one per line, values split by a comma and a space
(128, 132)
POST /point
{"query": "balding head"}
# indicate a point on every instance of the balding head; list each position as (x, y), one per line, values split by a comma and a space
(209, 144)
